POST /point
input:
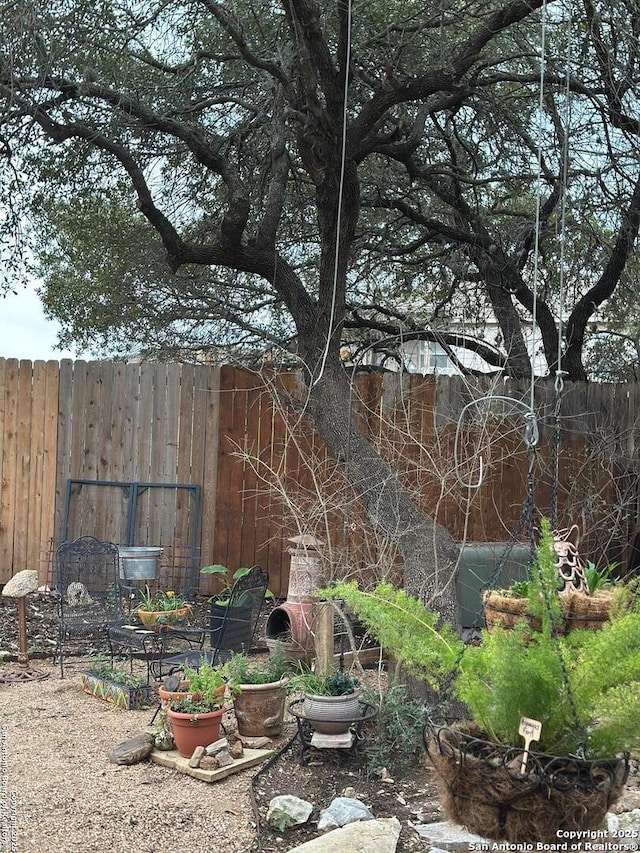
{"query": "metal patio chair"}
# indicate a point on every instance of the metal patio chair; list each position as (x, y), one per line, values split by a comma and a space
(231, 627)
(89, 592)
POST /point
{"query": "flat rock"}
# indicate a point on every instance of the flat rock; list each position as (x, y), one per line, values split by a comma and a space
(286, 810)
(220, 745)
(133, 750)
(379, 834)
(451, 836)
(206, 772)
(343, 810)
(21, 584)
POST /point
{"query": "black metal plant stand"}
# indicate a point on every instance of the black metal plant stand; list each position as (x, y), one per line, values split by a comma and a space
(306, 731)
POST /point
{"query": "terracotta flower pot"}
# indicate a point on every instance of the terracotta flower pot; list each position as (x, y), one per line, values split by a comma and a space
(259, 708)
(191, 730)
(157, 618)
(166, 696)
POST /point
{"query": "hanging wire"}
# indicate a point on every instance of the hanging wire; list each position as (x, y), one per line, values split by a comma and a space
(530, 435)
(560, 373)
(343, 160)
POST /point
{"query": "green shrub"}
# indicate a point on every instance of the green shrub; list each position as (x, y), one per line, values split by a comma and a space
(397, 739)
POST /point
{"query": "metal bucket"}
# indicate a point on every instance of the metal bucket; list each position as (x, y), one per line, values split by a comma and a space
(138, 563)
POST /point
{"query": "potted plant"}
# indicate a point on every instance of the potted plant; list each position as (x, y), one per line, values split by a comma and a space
(195, 719)
(220, 610)
(331, 702)
(162, 609)
(584, 688)
(115, 685)
(558, 587)
(259, 693)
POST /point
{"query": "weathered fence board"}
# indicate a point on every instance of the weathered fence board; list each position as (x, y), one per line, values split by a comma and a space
(185, 424)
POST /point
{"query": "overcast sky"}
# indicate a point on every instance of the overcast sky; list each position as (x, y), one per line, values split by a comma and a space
(24, 330)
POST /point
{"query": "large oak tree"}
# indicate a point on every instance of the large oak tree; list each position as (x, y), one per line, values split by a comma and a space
(315, 173)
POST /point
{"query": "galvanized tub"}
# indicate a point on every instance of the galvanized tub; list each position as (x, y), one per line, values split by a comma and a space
(138, 563)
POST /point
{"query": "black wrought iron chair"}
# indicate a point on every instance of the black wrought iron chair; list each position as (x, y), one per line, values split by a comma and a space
(231, 627)
(88, 591)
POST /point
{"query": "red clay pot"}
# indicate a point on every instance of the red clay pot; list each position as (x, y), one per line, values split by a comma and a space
(191, 730)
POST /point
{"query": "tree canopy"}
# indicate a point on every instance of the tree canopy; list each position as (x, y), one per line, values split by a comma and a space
(201, 156)
(296, 175)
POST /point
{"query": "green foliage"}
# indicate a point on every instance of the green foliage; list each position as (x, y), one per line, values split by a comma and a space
(195, 706)
(411, 633)
(222, 597)
(398, 733)
(241, 671)
(521, 589)
(545, 582)
(161, 601)
(598, 578)
(584, 687)
(206, 681)
(338, 683)
(605, 679)
(515, 673)
(625, 599)
(102, 668)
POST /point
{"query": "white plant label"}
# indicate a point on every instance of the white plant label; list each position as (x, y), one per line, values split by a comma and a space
(529, 730)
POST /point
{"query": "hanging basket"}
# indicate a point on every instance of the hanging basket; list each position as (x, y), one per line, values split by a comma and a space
(503, 609)
(586, 612)
(578, 610)
(482, 787)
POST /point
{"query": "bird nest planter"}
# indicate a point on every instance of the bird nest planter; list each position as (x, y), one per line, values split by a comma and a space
(578, 611)
(482, 787)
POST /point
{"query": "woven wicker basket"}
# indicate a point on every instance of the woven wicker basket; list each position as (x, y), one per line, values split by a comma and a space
(579, 611)
(586, 612)
(502, 609)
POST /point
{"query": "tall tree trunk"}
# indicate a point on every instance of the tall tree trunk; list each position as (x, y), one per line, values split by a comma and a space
(429, 552)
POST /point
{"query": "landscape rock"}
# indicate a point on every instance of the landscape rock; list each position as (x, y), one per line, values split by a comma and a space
(287, 810)
(236, 750)
(380, 835)
(164, 740)
(209, 762)
(198, 754)
(217, 746)
(134, 750)
(223, 758)
(343, 810)
(21, 584)
(451, 836)
(627, 825)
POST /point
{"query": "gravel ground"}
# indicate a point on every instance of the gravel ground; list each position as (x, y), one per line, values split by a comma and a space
(60, 794)
(64, 796)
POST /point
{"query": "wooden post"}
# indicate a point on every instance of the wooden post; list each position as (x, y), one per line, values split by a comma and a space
(323, 640)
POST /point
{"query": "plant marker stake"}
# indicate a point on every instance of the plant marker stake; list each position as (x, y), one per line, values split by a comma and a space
(529, 730)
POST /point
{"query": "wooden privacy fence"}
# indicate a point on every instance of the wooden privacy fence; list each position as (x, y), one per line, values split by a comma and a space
(112, 429)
